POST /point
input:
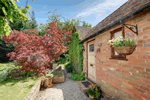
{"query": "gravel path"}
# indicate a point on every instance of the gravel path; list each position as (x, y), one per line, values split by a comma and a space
(68, 89)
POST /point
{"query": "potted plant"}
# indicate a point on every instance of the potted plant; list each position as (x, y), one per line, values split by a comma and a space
(123, 46)
(93, 91)
(48, 79)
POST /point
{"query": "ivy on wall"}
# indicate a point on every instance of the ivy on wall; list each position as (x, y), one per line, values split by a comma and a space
(75, 52)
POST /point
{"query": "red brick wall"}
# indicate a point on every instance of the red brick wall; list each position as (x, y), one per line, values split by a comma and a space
(127, 80)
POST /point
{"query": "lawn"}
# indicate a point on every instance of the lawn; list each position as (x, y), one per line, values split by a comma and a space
(15, 88)
(10, 66)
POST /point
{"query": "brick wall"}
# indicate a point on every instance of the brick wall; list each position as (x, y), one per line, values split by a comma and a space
(127, 80)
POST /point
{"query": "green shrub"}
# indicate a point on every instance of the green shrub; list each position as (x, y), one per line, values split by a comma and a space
(57, 73)
(77, 77)
(27, 74)
(64, 58)
(48, 75)
(3, 75)
(69, 67)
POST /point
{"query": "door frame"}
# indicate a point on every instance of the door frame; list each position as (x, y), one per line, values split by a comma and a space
(87, 58)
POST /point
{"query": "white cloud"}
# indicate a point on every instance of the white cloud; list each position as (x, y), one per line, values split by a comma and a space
(100, 9)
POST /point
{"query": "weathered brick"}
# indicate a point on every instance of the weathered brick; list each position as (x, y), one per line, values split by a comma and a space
(134, 84)
(138, 97)
(144, 96)
(148, 86)
(144, 88)
(146, 28)
(140, 90)
(127, 85)
(146, 81)
(145, 48)
(148, 69)
(127, 91)
(138, 68)
(141, 41)
(133, 91)
(148, 77)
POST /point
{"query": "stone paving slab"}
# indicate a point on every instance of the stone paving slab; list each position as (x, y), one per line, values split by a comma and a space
(50, 94)
(69, 88)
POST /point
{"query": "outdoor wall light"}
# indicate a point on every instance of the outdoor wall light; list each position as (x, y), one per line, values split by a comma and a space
(83, 48)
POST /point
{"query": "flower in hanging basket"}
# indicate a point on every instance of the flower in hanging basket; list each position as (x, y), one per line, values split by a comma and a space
(123, 46)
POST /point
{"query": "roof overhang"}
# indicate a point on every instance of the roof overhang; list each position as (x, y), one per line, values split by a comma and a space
(118, 21)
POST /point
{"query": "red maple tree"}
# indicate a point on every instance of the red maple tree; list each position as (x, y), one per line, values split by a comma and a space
(35, 53)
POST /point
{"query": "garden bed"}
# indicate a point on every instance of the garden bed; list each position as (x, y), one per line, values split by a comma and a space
(58, 76)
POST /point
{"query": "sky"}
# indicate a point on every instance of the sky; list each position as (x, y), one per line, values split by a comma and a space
(91, 11)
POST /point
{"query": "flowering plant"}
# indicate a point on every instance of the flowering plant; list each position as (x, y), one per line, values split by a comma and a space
(120, 41)
(93, 90)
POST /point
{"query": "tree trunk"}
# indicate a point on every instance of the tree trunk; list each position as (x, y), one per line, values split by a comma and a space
(51, 65)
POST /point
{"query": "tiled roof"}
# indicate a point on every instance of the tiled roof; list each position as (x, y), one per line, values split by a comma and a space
(127, 8)
(82, 30)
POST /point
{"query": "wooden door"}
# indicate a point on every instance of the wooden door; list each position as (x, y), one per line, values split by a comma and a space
(91, 61)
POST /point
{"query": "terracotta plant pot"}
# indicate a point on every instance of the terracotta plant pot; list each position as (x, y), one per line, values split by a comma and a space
(48, 82)
(125, 50)
(91, 97)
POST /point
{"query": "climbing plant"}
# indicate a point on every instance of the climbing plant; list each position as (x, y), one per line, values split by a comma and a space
(75, 52)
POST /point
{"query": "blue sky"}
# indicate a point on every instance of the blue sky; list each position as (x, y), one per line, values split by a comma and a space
(91, 11)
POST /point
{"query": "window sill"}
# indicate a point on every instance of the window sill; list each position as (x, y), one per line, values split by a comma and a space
(119, 59)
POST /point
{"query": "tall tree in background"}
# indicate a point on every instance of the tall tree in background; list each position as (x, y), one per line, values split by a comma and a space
(8, 9)
(33, 21)
(86, 24)
(23, 25)
(58, 18)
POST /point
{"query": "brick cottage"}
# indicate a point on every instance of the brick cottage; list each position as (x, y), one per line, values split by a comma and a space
(120, 77)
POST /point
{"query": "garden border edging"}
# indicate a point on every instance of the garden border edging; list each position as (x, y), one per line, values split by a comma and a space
(34, 91)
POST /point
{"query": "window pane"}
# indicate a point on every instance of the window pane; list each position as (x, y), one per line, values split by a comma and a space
(91, 48)
(117, 34)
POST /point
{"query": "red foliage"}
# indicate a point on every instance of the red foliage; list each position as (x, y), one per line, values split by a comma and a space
(35, 53)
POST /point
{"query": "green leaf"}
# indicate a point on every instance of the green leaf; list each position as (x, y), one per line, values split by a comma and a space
(7, 33)
(29, 7)
(24, 10)
(11, 19)
(33, 0)
(4, 11)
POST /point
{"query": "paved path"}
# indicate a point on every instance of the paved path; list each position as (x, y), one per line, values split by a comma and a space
(66, 91)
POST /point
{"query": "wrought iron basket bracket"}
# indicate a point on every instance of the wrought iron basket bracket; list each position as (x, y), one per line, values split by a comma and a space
(130, 27)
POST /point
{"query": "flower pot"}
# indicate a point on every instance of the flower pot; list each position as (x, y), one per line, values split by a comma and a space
(125, 50)
(91, 97)
(48, 82)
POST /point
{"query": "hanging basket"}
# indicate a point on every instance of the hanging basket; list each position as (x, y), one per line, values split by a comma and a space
(125, 50)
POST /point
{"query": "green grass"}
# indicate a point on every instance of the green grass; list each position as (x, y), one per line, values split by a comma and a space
(10, 66)
(13, 88)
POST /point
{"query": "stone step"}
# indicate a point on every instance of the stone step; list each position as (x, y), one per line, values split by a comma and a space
(82, 87)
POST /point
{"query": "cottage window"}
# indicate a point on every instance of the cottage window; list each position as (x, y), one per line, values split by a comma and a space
(114, 34)
(91, 48)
